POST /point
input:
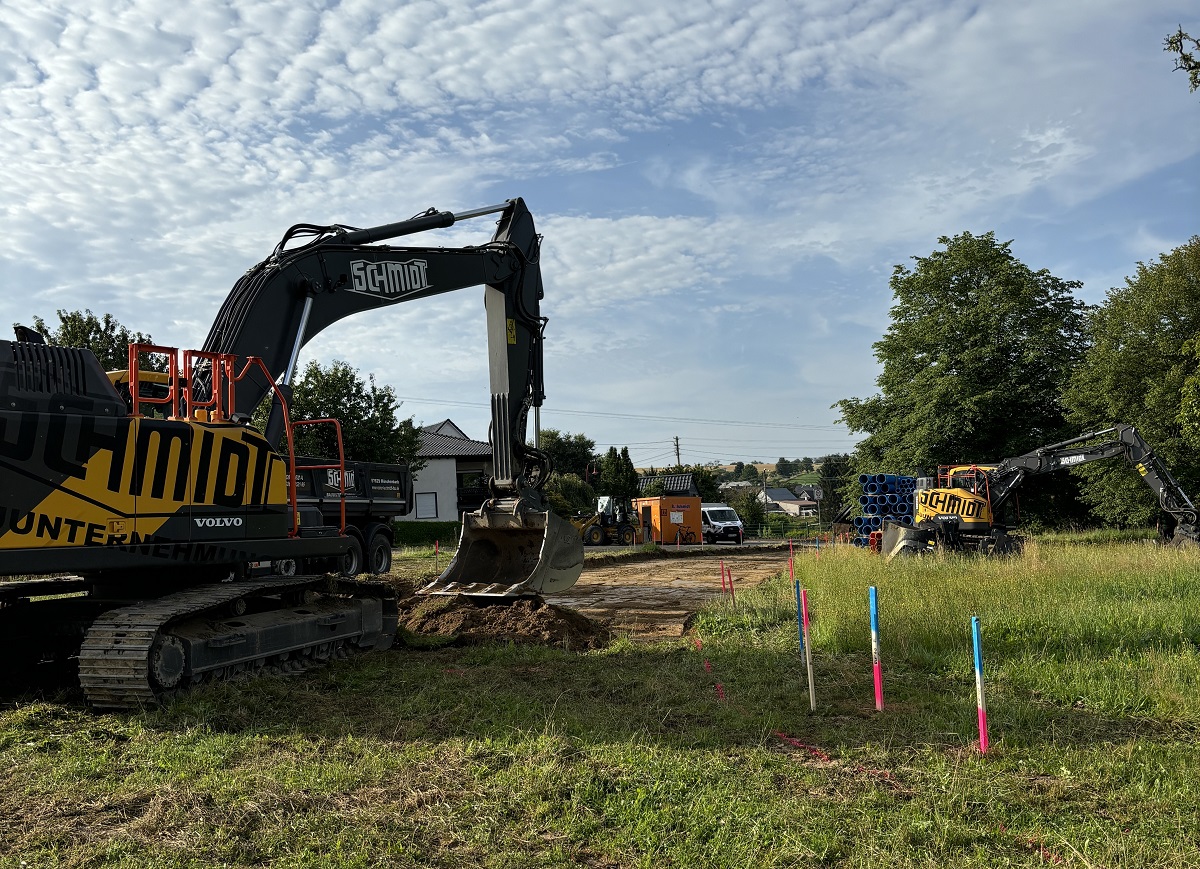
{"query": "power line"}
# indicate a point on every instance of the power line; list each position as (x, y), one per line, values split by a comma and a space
(650, 418)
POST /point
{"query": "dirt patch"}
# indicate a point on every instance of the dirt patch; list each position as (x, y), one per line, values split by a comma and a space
(642, 596)
(654, 600)
(462, 620)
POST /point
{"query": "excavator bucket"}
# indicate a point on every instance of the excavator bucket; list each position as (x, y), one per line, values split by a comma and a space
(511, 554)
(903, 540)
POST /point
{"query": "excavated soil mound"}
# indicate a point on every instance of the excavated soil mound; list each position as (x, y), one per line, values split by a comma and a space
(532, 621)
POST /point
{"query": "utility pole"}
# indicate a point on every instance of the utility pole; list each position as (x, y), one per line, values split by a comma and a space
(677, 451)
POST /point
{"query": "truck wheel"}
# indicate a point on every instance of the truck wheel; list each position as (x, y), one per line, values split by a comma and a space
(627, 535)
(379, 554)
(352, 562)
(284, 567)
(710, 538)
(594, 536)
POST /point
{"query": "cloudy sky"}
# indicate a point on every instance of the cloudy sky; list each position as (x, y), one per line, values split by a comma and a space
(723, 187)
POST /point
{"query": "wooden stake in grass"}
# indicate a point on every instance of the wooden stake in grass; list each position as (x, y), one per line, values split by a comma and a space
(732, 599)
(876, 660)
(435, 555)
(722, 577)
(980, 700)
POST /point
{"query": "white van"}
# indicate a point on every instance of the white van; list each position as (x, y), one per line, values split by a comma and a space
(720, 522)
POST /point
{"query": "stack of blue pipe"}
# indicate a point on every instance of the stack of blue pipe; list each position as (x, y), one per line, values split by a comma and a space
(885, 496)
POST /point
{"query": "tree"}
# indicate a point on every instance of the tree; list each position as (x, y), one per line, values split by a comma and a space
(367, 412)
(104, 336)
(750, 508)
(618, 476)
(974, 363)
(805, 466)
(706, 482)
(835, 481)
(569, 495)
(570, 453)
(785, 467)
(1178, 43)
(1142, 369)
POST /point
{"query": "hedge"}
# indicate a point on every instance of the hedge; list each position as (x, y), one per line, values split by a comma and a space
(427, 533)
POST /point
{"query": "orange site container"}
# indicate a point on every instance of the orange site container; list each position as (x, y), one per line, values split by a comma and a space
(671, 518)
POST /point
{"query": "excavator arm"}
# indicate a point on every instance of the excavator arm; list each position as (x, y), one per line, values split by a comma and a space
(1121, 440)
(285, 301)
(513, 544)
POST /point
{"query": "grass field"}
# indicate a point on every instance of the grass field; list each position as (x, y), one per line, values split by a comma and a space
(517, 756)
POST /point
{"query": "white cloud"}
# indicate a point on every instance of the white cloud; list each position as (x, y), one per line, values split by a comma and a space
(727, 174)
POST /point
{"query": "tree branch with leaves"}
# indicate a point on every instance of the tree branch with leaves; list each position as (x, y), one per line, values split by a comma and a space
(1179, 43)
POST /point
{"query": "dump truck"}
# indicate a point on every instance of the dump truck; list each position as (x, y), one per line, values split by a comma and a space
(131, 520)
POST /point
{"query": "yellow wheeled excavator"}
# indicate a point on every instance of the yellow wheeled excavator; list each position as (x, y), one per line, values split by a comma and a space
(962, 513)
(130, 517)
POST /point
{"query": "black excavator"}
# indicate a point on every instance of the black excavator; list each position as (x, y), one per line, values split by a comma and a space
(128, 519)
(962, 512)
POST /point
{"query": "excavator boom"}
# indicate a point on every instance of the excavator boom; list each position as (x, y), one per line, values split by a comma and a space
(514, 544)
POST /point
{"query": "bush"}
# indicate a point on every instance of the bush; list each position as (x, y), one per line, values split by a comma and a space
(427, 533)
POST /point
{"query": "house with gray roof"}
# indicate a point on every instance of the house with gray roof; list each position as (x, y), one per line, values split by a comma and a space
(786, 501)
(452, 481)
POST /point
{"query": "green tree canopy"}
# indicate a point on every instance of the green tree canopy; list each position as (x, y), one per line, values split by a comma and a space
(1142, 369)
(974, 362)
(707, 483)
(569, 495)
(750, 508)
(618, 476)
(104, 336)
(367, 412)
(834, 478)
(570, 453)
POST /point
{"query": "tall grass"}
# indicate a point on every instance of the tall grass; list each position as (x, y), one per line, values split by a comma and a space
(1113, 628)
(513, 756)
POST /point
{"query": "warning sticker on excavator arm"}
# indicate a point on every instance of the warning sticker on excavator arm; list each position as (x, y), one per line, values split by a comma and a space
(512, 331)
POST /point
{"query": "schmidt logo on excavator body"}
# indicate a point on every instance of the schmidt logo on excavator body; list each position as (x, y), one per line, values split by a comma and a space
(388, 278)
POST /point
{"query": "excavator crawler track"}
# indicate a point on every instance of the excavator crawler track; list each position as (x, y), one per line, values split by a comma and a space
(143, 654)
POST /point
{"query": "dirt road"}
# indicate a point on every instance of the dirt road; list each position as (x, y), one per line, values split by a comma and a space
(653, 599)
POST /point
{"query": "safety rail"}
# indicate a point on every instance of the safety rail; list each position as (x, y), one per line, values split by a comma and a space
(220, 405)
(974, 478)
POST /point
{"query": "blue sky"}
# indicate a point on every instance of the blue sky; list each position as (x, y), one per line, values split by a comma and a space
(723, 187)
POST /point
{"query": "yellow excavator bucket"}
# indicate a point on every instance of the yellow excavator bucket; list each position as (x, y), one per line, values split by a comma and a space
(511, 553)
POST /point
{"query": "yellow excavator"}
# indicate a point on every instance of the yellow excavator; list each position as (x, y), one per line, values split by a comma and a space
(128, 516)
(962, 512)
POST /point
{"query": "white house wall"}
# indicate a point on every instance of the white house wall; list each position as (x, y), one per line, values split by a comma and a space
(438, 477)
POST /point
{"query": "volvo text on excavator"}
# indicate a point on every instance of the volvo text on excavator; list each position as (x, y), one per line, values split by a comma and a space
(962, 513)
(129, 521)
